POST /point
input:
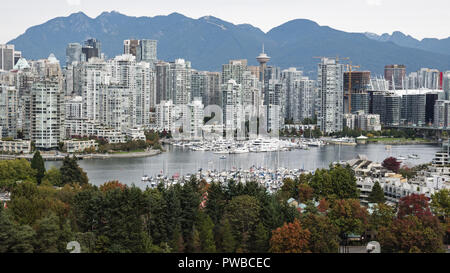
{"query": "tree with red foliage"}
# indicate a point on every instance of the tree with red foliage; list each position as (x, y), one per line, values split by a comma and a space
(112, 185)
(391, 164)
(323, 205)
(412, 234)
(415, 205)
(290, 238)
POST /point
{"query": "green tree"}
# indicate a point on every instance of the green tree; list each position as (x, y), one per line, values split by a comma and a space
(338, 182)
(260, 240)
(349, 217)
(72, 173)
(14, 238)
(13, 171)
(324, 236)
(377, 194)
(382, 216)
(37, 163)
(226, 238)
(440, 203)
(243, 213)
(205, 228)
(48, 233)
(53, 177)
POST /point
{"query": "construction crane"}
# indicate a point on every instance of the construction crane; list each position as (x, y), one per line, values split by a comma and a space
(349, 69)
(349, 94)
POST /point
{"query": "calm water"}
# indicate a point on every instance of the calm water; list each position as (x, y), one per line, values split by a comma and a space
(183, 161)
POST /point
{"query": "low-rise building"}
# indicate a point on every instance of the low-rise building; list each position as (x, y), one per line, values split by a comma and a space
(136, 134)
(15, 146)
(77, 146)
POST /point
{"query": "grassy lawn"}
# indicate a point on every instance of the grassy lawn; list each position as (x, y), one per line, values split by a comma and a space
(393, 139)
(133, 151)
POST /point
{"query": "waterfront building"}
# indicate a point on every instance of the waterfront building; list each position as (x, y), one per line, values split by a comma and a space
(47, 114)
(233, 116)
(273, 103)
(291, 78)
(361, 120)
(78, 146)
(15, 146)
(330, 84)
(195, 119)
(165, 116)
(136, 134)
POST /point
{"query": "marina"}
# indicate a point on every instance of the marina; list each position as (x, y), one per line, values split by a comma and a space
(271, 179)
(184, 160)
(258, 145)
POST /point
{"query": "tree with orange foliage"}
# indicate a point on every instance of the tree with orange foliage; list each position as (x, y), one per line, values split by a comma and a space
(324, 205)
(290, 238)
(111, 185)
(305, 192)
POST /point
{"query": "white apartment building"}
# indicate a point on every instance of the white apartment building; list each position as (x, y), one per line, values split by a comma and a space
(195, 119)
(165, 116)
(46, 114)
(233, 114)
(330, 83)
(180, 81)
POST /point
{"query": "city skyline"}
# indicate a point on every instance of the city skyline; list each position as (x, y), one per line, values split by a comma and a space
(351, 16)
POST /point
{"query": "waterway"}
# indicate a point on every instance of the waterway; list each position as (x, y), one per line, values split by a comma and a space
(183, 161)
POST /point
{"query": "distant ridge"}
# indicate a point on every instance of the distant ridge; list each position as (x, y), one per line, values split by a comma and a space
(208, 42)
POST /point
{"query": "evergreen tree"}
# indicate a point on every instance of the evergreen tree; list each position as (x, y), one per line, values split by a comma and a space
(72, 173)
(260, 242)
(196, 243)
(206, 227)
(228, 242)
(37, 163)
(177, 242)
(377, 194)
(14, 238)
(47, 235)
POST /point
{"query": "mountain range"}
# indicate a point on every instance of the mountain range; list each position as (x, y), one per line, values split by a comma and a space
(208, 42)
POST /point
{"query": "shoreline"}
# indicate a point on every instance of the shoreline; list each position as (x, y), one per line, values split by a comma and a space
(60, 157)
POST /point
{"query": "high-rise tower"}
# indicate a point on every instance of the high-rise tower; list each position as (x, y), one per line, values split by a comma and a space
(262, 59)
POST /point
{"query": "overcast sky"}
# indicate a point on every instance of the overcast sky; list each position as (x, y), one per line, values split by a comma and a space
(419, 18)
